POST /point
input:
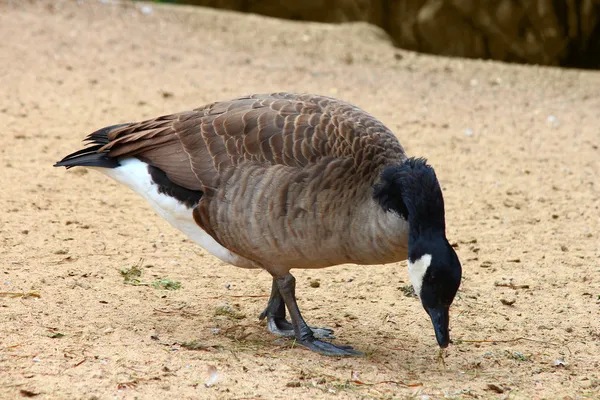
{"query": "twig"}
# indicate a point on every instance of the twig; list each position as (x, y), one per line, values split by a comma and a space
(236, 296)
(395, 348)
(517, 340)
(509, 341)
(170, 311)
(412, 384)
(79, 363)
(13, 295)
(243, 336)
(511, 285)
(248, 398)
(235, 355)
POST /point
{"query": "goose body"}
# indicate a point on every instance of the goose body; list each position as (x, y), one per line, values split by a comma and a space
(283, 181)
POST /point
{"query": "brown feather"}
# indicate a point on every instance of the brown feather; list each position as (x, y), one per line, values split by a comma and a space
(269, 166)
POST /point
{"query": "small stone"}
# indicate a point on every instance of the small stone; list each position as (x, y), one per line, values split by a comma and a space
(508, 302)
(495, 388)
(553, 121)
(146, 9)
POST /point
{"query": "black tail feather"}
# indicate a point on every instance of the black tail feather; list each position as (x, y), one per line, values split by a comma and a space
(101, 135)
(88, 158)
(91, 155)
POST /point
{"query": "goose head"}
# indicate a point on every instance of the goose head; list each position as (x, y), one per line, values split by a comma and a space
(435, 274)
(412, 191)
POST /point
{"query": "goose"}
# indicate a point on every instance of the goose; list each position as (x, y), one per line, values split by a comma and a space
(282, 181)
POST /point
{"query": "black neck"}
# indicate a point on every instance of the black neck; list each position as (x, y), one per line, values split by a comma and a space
(412, 190)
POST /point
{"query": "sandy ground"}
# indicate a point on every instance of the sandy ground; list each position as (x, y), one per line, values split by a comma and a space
(515, 147)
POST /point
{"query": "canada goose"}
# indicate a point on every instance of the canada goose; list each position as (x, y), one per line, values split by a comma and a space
(281, 181)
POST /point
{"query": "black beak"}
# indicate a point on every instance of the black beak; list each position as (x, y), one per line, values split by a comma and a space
(440, 319)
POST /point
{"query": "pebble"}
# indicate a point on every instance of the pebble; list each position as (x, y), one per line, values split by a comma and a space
(146, 9)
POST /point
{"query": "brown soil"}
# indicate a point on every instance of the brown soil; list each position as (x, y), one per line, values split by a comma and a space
(515, 147)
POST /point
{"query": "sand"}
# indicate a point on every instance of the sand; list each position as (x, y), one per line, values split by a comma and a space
(515, 148)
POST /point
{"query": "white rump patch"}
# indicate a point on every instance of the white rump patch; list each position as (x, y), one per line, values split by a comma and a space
(134, 174)
(417, 270)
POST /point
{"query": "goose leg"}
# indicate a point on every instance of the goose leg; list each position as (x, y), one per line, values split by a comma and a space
(303, 333)
(276, 322)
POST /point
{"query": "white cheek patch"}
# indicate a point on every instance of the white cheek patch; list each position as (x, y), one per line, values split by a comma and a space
(416, 271)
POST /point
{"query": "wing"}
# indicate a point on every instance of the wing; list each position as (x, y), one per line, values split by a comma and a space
(196, 147)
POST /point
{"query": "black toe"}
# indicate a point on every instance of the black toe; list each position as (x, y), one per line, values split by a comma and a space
(329, 349)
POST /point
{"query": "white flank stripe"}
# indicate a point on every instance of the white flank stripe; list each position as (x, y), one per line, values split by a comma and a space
(134, 174)
(417, 270)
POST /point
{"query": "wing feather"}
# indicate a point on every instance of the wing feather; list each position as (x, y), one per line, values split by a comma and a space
(196, 147)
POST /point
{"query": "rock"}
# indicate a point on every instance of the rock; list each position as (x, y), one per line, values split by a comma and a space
(508, 302)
